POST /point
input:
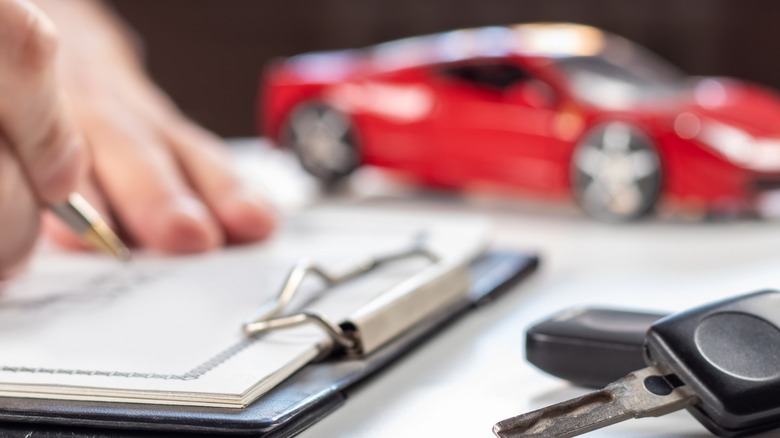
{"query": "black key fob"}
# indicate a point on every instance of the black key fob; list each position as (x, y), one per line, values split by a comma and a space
(728, 353)
(590, 347)
(720, 361)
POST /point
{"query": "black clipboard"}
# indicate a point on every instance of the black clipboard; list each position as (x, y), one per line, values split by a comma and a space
(300, 401)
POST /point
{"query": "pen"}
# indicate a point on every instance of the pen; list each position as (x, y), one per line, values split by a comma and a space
(85, 221)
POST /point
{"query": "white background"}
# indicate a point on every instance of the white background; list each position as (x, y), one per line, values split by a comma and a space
(473, 374)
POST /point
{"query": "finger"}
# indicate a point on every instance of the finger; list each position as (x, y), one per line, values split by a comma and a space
(19, 215)
(62, 234)
(145, 188)
(32, 113)
(205, 160)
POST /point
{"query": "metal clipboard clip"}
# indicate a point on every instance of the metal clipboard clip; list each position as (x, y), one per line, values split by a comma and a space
(382, 318)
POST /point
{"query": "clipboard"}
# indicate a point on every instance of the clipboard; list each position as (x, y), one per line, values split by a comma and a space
(300, 401)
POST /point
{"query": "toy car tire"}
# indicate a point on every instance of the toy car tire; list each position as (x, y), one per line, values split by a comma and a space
(324, 141)
(616, 172)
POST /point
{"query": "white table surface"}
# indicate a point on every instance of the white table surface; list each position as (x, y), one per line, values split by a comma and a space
(473, 374)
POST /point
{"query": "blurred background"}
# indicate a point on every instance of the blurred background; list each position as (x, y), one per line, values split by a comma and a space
(208, 54)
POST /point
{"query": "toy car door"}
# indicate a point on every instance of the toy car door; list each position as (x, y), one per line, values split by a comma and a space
(493, 122)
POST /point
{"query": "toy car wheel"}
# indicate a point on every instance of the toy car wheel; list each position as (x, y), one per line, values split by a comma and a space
(324, 140)
(616, 173)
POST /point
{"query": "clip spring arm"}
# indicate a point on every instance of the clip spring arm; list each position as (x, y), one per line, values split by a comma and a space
(269, 320)
(335, 332)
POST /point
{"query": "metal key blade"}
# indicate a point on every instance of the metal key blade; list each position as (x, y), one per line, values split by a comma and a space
(643, 393)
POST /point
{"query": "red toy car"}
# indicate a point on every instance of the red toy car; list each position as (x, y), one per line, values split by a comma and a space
(558, 109)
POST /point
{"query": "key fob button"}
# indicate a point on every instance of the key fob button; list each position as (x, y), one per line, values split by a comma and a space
(742, 345)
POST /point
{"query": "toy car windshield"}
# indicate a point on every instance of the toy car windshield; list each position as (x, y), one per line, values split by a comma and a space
(621, 76)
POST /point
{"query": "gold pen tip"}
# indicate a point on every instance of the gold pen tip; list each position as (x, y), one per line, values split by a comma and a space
(85, 220)
(123, 254)
(102, 237)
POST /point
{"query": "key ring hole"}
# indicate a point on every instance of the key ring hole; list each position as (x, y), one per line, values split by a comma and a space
(662, 385)
(658, 385)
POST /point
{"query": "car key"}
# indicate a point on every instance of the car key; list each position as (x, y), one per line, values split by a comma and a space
(720, 361)
(589, 347)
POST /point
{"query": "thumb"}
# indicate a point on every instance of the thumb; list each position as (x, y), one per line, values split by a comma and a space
(33, 115)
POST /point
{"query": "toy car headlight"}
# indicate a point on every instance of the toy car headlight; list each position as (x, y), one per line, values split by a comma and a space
(741, 147)
(734, 143)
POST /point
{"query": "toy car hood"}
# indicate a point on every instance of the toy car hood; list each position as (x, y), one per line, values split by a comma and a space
(737, 104)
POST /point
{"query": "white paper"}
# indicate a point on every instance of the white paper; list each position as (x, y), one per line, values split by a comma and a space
(168, 330)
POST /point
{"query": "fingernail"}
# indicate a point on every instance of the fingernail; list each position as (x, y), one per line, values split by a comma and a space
(249, 217)
(188, 227)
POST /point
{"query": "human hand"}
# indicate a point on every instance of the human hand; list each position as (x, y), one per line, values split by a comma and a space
(166, 182)
(73, 96)
(41, 152)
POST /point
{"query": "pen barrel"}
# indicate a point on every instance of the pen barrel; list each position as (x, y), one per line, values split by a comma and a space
(75, 213)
